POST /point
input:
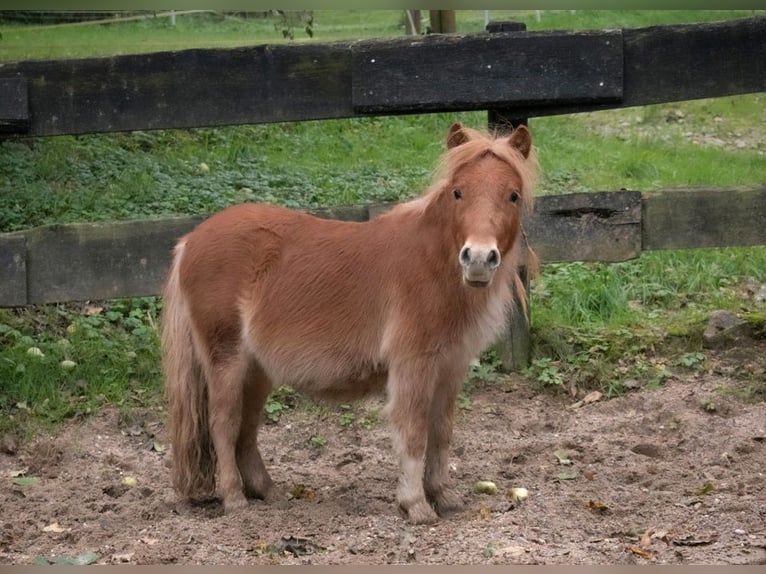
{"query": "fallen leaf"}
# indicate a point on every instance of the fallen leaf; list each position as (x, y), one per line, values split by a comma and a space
(301, 491)
(81, 560)
(485, 487)
(707, 488)
(642, 553)
(646, 539)
(54, 527)
(694, 539)
(26, 481)
(592, 397)
(567, 475)
(484, 512)
(129, 481)
(518, 494)
(598, 506)
(661, 535)
(158, 447)
(562, 456)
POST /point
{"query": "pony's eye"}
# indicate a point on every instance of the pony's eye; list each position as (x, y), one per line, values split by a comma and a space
(514, 197)
(457, 193)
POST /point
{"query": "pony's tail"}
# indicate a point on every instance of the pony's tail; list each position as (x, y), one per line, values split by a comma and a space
(194, 460)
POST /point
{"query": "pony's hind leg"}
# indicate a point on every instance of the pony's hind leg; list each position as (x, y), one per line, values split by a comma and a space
(226, 394)
(255, 477)
(410, 391)
(440, 424)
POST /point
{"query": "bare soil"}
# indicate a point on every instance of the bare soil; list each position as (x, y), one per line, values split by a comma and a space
(667, 475)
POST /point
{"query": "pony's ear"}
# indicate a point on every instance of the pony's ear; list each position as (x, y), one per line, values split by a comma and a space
(456, 136)
(521, 140)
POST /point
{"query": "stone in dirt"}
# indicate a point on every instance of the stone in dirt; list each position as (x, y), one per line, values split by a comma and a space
(724, 328)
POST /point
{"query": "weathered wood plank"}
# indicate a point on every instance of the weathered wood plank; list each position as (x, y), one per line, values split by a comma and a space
(683, 62)
(190, 88)
(464, 72)
(14, 107)
(603, 226)
(194, 88)
(126, 259)
(100, 260)
(13, 270)
(691, 218)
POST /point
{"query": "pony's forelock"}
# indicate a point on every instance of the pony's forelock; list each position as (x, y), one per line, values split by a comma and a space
(478, 145)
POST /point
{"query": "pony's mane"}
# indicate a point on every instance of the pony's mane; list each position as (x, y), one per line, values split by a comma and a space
(479, 144)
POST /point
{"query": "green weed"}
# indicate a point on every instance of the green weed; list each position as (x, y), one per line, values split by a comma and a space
(279, 401)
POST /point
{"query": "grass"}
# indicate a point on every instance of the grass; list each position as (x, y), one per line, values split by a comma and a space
(225, 31)
(63, 361)
(595, 326)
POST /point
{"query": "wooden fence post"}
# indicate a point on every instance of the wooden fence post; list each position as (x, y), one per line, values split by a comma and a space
(443, 21)
(515, 345)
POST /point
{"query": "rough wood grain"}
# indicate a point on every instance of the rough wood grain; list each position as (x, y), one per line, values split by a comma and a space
(190, 88)
(691, 218)
(604, 226)
(683, 62)
(14, 107)
(100, 260)
(195, 88)
(464, 72)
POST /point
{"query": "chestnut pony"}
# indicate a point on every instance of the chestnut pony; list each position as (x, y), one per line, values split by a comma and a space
(259, 295)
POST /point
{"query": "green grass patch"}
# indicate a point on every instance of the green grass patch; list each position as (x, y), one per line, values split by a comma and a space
(24, 42)
(62, 361)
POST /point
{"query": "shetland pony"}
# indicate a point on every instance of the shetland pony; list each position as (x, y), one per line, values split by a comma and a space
(259, 295)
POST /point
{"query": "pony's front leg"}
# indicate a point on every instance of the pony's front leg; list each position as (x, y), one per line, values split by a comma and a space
(410, 392)
(440, 424)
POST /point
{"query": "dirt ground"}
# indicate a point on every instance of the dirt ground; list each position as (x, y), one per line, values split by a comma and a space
(667, 475)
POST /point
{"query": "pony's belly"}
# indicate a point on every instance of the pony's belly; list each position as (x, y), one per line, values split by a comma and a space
(348, 388)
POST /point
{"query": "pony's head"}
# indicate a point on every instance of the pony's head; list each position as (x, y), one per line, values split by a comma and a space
(485, 188)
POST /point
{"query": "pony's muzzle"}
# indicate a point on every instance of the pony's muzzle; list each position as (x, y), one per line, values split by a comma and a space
(479, 263)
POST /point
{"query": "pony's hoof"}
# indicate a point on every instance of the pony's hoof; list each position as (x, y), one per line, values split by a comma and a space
(421, 513)
(447, 502)
(234, 503)
(260, 489)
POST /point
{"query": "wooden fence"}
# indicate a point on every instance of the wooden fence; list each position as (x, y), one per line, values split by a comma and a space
(511, 74)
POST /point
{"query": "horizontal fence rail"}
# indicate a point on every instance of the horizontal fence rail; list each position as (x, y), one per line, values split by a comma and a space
(86, 261)
(532, 73)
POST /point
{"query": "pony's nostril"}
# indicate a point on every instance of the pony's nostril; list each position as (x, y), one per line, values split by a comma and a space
(465, 255)
(493, 258)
